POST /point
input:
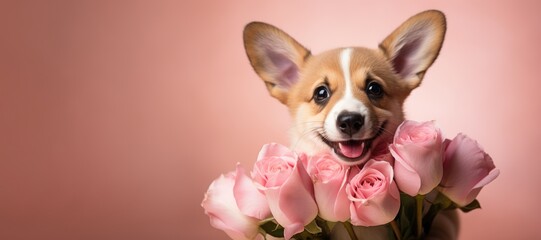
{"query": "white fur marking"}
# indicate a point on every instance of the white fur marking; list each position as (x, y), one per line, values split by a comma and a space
(345, 59)
(348, 102)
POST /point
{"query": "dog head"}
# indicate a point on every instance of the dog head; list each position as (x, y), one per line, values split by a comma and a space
(346, 100)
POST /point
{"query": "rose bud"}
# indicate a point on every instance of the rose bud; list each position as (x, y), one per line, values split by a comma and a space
(329, 179)
(418, 152)
(280, 174)
(466, 169)
(221, 207)
(375, 199)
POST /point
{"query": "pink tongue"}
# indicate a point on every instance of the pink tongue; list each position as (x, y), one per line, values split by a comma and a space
(351, 150)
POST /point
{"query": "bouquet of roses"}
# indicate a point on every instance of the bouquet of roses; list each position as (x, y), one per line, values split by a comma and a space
(401, 190)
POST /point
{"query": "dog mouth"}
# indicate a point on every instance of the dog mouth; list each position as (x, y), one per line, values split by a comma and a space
(353, 151)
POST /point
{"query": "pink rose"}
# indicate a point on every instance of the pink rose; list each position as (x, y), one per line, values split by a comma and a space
(375, 199)
(280, 174)
(418, 152)
(329, 179)
(466, 169)
(221, 207)
(250, 200)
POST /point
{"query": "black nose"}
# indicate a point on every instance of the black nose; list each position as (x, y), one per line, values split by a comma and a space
(350, 122)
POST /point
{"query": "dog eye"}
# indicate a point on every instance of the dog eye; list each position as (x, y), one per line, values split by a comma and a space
(374, 90)
(321, 94)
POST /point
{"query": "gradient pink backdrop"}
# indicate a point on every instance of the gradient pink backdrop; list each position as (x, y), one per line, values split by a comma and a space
(116, 116)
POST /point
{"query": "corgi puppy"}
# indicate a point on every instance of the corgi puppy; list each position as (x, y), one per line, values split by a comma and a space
(348, 101)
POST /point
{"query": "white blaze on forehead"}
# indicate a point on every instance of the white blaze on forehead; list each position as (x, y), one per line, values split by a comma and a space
(347, 103)
(345, 59)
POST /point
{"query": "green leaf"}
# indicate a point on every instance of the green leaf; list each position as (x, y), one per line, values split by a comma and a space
(325, 226)
(444, 201)
(430, 215)
(472, 206)
(272, 228)
(329, 227)
(441, 202)
(305, 235)
(313, 228)
(390, 232)
(406, 215)
(318, 229)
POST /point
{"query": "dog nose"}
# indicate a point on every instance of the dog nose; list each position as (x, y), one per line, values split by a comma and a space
(350, 122)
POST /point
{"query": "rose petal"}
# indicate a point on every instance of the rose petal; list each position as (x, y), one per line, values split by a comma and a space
(293, 229)
(329, 179)
(427, 163)
(467, 168)
(220, 205)
(493, 174)
(275, 149)
(296, 199)
(377, 202)
(406, 178)
(249, 199)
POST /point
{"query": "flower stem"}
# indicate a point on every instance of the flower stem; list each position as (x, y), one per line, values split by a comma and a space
(396, 230)
(420, 199)
(349, 228)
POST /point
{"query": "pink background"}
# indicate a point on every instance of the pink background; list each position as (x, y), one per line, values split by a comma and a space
(115, 117)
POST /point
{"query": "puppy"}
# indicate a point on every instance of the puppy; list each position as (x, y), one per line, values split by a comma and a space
(348, 101)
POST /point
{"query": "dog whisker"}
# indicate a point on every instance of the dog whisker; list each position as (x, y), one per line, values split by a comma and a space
(307, 133)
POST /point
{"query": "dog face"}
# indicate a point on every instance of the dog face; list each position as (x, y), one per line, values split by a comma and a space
(347, 100)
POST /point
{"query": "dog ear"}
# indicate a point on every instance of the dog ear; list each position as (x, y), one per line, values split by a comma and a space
(414, 45)
(275, 56)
